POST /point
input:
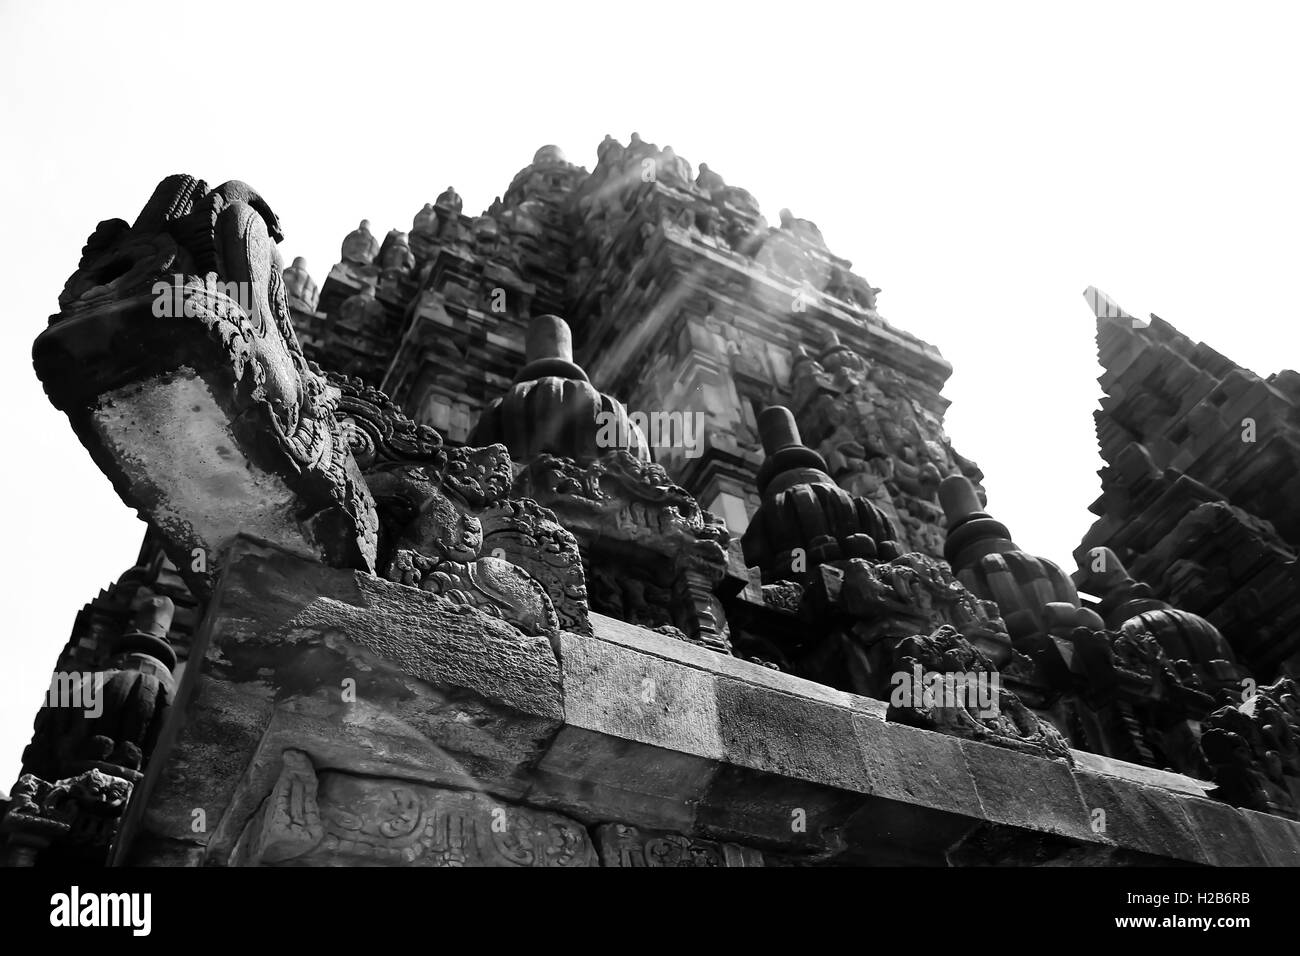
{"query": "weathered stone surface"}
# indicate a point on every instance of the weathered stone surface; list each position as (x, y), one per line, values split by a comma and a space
(994, 845)
(790, 736)
(176, 361)
(1224, 834)
(377, 679)
(1026, 791)
(640, 698)
(338, 819)
(787, 814)
(1149, 819)
(613, 631)
(463, 707)
(916, 767)
(1278, 839)
(622, 845)
(597, 777)
(1199, 488)
(1136, 773)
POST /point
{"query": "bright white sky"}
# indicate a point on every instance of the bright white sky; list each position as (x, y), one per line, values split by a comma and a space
(981, 162)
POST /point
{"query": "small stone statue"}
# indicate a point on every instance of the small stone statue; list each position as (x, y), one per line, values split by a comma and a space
(426, 221)
(804, 228)
(449, 200)
(708, 179)
(396, 258)
(673, 168)
(299, 287)
(360, 247)
(610, 147)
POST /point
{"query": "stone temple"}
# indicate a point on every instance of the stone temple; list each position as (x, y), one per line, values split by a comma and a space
(616, 527)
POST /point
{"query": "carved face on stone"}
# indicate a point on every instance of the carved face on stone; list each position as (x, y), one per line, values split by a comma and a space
(479, 475)
(441, 532)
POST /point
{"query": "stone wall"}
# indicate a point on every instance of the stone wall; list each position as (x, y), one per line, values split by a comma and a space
(334, 720)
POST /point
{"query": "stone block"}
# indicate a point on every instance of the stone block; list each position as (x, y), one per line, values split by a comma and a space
(1277, 837)
(378, 679)
(1025, 791)
(328, 818)
(1147, 819)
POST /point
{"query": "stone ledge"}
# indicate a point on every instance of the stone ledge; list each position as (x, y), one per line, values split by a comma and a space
(660, 645)
(784, 731)
(628, 726)
(1136, 773)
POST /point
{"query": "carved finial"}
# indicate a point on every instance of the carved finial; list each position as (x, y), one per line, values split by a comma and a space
(1033, 594)
(1106, 571)
(777, 428)
(552, 407)
(548, 350)
(548, 337)
(148, 633)
(960, 502)
(803, 508)
(548, 155)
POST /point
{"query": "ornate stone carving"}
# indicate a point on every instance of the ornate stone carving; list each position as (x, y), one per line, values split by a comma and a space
(1190, 641)
(880, 441)
(653, 556)
(622, 845)
(950, 687)
(175, 334)
(805, 519)
(552, 408)
(526, 534)
(863, 609)
(1253, 750)
(660, 539)
(447, 523)
(78, 813)
(1035, 595)
(109, 719)
(338, 819)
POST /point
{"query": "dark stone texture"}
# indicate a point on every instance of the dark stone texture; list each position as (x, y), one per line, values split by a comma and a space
(1278, 839)
(916, 767)
(1027, 791)
(1148, 819)
(791, 736)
